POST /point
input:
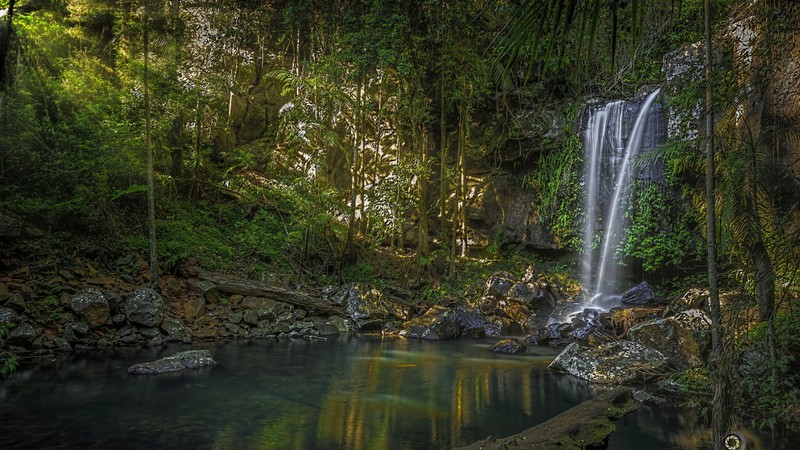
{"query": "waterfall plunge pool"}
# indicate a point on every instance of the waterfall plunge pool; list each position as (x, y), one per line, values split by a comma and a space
(345, 393)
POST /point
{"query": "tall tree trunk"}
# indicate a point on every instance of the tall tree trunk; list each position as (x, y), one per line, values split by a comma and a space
(151, 205)
(720, 419)
(5, 44)
(444, 222)
(462, 184)
(423, 250)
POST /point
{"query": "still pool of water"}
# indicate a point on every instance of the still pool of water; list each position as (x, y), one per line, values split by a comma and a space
(345, 393)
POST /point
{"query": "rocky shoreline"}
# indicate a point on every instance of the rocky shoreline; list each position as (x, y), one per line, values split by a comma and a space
(81, 309)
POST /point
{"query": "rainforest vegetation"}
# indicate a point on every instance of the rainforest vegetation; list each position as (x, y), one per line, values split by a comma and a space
(316, 142)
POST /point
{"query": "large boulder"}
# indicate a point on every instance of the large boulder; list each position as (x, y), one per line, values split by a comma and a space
(616, 362)
(364, 304)
(145, 307)
(438, 323)
(685, 337)
(499, 285)
(91, 305)
(473, 322)
(191, 359)
(530, 294)
(641, 294)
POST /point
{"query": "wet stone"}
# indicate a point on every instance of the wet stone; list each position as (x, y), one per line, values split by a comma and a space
(192, 359)
(511, 346)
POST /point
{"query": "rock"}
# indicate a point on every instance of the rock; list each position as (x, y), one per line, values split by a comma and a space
(17, 301)
(526, 293)
(586, 323)
(171, 287)
(473, 322)
(236, 317)
(517, 312)
(250, 317)
(22, 335)
(615, 362)
(438, 323)
(61, 345)
(344, 324)
(369, 324)
(91, 305)
(692, 299)
(205, 334)
(149, 332)
(175, 330)
(685, 337)
(499, 326)
(499, 285)
(115, 303)
(295, 334)
(73, 330)
(101, 281)
(232, 328)
(641, 294)
(332, 294)
(206, 289)
(7, 315)
(328, 329)
(512, 345)
(118, 319)
(145, 307)
(361, 302)
(191, 359)
(265, 308)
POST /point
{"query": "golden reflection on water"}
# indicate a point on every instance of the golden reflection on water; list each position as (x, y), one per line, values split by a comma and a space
(445, 391)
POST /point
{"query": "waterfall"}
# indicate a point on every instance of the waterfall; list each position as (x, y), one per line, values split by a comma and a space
(611, 142)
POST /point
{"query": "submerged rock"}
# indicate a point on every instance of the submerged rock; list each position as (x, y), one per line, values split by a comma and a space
(191, 359)
(511, 345)
(615, 362)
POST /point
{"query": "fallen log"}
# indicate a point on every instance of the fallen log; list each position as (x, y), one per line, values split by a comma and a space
(585, 426)
(254, 288)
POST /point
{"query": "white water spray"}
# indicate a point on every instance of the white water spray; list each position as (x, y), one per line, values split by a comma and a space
(607, 175)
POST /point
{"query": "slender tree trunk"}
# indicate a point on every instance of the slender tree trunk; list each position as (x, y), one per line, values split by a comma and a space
(151, 206)
(720, 420)
(423, 250)
(444, 222)
(355, 182)
(462, 170)
(5, 44)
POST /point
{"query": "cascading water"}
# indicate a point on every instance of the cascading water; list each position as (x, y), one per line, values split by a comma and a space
(611, 143)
